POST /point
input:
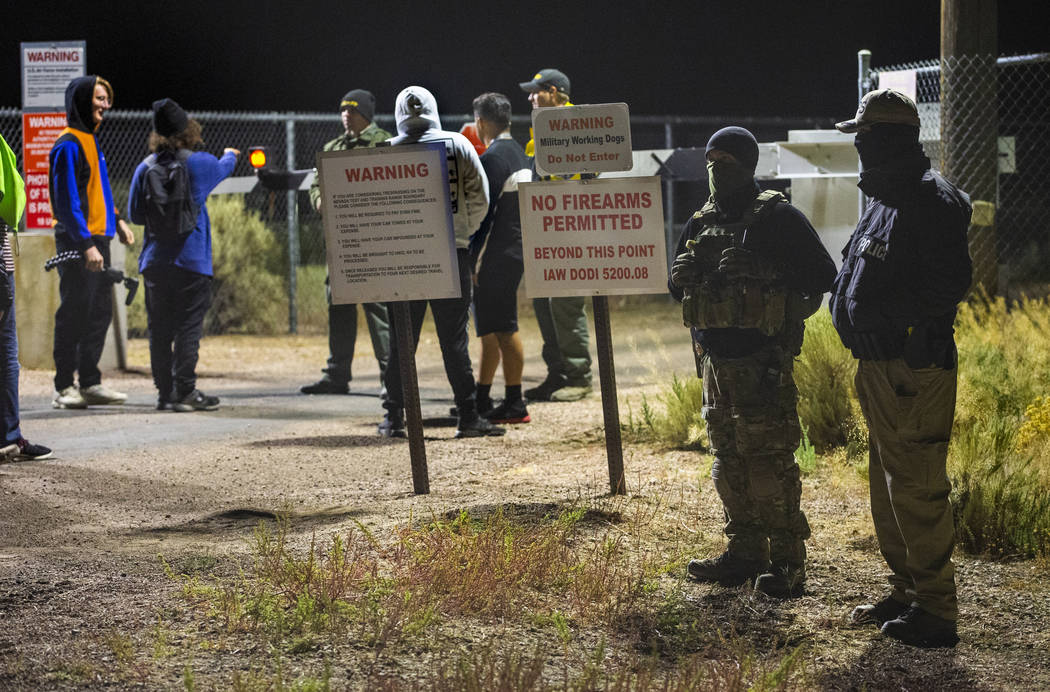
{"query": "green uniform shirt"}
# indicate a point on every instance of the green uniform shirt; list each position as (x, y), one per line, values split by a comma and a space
(368, 137)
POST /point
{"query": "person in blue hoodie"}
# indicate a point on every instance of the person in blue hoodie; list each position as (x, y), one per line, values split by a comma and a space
(85, 221)
(178, 270)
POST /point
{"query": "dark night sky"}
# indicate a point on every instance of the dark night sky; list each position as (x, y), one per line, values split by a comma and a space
(682, 58)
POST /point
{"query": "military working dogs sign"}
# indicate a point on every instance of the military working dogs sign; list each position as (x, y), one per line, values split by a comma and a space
(582, 139)
(593, 237)
(388, 224)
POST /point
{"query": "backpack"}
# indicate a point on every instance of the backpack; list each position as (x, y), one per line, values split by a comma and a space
(171, 213)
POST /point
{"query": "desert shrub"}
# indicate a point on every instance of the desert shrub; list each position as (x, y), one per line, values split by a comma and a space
(824, 372)
(827, 403)
(249, 288)
(998, 456)
(310, 299)
(249, 293)
(672, 418)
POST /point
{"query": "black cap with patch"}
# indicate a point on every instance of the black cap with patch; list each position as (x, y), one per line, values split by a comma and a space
(548, 77)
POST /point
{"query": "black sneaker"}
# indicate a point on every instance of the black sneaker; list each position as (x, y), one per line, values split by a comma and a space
(509, 412)
(916, 627)
(393, 425)
(27, 451)
(325, 386)
(483, 407)
(782, 581)
(478, 427)
(196, 401)
(163, 404)
(879, 613)
(543, 391)
(726, 569)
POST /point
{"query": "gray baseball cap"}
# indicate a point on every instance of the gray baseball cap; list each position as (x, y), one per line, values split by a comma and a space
(882, 106)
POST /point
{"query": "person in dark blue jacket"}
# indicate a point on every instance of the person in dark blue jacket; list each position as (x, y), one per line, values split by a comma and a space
(85, 221)
(178, 271)
(904, 271)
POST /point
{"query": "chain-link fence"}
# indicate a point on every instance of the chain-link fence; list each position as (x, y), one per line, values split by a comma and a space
(985, 122)
(293, 139)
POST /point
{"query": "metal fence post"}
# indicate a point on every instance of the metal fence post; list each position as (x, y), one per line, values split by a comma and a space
(669, 231)
(863, 87)
(293, 231)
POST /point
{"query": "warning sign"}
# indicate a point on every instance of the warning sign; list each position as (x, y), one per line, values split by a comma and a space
(39, 132)
(46, 70)
(593, 237)
(388, 224)
(582, 139)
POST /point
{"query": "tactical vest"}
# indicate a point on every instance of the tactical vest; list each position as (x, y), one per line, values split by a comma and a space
(718, 302)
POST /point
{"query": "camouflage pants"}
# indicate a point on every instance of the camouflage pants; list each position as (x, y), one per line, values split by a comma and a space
(752, 424)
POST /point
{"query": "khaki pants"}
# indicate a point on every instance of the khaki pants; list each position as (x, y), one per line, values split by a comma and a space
(909, 414)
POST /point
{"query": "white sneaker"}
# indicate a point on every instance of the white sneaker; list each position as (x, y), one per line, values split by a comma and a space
(69, 398)
(100, 394)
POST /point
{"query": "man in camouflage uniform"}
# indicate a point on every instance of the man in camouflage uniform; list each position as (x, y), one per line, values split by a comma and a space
(357, 109)
(749, 269)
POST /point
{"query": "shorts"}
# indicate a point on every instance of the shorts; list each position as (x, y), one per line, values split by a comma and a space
(496, 298)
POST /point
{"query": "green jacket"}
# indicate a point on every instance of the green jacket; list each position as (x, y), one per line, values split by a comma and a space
(12, 190)
(369, 137)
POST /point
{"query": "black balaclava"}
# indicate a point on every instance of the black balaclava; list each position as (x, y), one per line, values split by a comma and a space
(891, 159)
(733, 184)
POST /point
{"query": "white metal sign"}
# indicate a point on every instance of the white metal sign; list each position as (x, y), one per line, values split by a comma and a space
(582, 139)
(901, 80)
(46, 70)
(388, 224)
(593, 237)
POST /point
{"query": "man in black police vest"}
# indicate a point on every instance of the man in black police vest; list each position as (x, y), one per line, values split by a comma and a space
(904, 271)
(749, 269)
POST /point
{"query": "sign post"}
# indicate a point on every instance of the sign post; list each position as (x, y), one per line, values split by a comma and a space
(389, 238)
(595, 237)
(46, 70)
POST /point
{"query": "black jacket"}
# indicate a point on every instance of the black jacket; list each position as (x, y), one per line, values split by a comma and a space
(904, 271)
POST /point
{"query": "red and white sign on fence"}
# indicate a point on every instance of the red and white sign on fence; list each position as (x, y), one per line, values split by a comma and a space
(46, 70)
(593, 237)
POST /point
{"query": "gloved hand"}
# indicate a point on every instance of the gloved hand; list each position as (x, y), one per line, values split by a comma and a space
(740, 263)
(686, 270)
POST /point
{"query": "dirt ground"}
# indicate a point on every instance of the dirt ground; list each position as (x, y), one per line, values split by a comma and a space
(81, 535)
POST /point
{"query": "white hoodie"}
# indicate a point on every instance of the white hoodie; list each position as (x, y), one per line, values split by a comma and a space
(417, 121)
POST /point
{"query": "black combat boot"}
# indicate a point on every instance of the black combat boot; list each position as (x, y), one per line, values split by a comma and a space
(726, 569)
(782, 580)
(916, 627)
(879, 613)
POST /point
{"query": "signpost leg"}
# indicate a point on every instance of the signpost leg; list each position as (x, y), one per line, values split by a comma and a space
(610, 407)
(413, 417)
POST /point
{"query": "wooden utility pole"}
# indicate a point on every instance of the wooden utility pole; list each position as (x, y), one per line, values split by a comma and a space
(970, 122)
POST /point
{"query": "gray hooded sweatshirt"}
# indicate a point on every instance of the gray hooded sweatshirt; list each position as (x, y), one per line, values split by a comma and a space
(417, 121)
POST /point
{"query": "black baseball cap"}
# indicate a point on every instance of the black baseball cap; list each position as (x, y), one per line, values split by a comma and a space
(548, 77)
